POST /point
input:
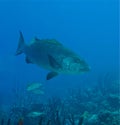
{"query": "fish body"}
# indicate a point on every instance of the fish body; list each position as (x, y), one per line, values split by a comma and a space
(38, 92)
(35, 114)
(33, 86)
(53, 56)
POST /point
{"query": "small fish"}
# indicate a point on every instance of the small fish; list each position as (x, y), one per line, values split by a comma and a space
(33, 86)
(38, 92)
(53, 56)
(35, 114)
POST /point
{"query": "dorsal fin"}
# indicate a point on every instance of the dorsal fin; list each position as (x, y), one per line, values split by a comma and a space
(49, 41)
(34, 40)
(53, 41)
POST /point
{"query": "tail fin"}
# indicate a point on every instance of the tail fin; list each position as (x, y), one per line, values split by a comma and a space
(21, 45)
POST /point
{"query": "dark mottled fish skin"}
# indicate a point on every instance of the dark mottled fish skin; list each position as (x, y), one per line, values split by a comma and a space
(53, 56)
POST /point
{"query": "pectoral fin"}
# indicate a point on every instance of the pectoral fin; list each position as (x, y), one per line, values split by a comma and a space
(53, 62)
(50, 75)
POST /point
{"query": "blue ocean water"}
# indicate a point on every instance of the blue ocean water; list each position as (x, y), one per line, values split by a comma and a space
(88, 27)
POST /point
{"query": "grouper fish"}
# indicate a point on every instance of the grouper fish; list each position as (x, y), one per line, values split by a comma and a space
(51, 55)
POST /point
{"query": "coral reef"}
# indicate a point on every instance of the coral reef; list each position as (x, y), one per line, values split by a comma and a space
(98, 105)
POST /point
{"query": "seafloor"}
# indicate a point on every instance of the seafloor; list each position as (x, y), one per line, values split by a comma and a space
(96, 105)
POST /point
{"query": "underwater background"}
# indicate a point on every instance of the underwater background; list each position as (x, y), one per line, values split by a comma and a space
(88, 27)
